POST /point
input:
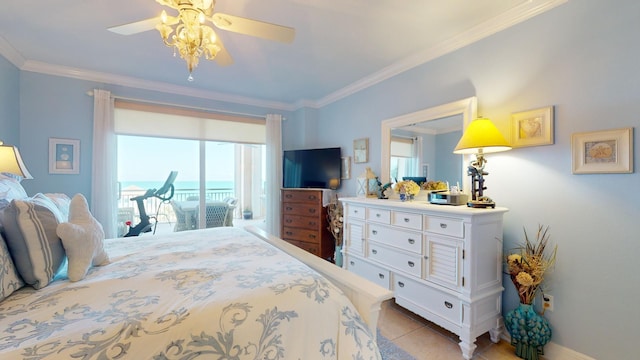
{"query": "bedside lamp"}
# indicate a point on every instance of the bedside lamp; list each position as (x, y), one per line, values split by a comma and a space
(11, 161)
(479, 138)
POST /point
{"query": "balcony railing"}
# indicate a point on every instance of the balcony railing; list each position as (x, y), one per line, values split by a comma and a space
(128, 210)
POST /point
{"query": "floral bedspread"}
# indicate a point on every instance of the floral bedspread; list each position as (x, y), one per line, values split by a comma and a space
(213, 294)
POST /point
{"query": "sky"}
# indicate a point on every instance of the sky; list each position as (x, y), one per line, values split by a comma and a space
(151, 159)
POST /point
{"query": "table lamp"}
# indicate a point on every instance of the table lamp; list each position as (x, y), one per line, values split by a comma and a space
(11, 161)
(479, 138)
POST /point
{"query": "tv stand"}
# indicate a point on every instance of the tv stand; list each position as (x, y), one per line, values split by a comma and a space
(304, 222)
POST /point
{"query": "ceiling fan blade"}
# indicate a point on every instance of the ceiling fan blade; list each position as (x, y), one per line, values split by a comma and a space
(254, 27)
(136, 27)
(223, 58)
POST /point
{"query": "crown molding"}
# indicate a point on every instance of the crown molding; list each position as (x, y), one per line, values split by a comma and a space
(11, 54)
(132, 82)
(487, 28)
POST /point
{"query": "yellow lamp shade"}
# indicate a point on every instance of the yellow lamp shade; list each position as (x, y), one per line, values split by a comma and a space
(481, 136)
(11, 162)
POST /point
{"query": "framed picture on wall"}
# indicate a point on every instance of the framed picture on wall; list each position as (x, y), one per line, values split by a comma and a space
(64, 156)
(361, 150)
(609, 151)
(532, 128)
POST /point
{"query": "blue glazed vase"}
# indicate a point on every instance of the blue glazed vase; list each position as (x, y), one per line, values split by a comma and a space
(403, 197)
(529, 331)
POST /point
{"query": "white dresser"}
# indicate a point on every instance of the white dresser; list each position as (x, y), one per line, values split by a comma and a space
(444, 263)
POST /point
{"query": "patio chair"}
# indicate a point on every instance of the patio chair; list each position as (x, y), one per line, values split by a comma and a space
(216, 213)
(185, 220)
(232, 202)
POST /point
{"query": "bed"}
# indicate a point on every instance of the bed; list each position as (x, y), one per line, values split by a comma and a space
(220, 293)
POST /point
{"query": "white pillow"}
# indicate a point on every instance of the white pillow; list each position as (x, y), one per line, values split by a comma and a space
(83, 239)
(11, 189)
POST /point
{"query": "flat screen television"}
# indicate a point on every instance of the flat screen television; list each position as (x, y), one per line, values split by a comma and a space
(312, 168)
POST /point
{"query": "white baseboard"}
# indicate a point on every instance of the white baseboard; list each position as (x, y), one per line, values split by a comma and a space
(553, 351)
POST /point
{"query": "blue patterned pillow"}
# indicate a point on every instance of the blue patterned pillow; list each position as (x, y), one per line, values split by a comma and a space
(10, 281)
(30, 232)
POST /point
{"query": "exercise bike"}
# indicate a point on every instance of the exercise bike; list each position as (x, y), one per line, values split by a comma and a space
(144, 225)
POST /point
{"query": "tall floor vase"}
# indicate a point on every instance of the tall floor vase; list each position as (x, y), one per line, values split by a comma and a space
(529, 331)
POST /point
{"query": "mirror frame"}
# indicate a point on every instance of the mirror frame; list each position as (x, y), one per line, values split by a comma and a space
(466, 107)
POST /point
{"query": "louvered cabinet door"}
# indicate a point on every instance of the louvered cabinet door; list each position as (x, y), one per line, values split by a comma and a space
(444, 261)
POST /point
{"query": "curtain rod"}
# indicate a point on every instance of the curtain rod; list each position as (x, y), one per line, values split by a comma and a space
(116, 97)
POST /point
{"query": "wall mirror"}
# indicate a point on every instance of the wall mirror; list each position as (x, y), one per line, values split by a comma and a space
(432, 133)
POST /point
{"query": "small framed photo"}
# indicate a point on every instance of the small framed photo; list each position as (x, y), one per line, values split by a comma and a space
(346, 168)
(609, 151)
(64, 156)
(532, 128)
(361, 150)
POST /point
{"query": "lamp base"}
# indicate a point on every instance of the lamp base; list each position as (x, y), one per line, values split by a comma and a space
(481, 204)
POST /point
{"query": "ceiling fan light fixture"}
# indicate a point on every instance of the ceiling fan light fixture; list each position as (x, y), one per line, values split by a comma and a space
(192, 38)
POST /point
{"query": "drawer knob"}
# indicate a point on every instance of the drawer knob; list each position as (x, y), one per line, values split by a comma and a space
(411, 263)
(355, 211)
(289, 233)
(289, 221)
(374, 251)
(442, 225)
(412, 241)
(312, 211)
(406, 220)
(448, 304)
(374, 232)
(289, 208)
(400, 283)
(381, 276)
(352, 263)
(312, 236)
(377, 215)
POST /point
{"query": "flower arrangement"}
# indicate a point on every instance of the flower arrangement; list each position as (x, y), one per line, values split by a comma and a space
(335, 219)
(408, 187)
(528, 266)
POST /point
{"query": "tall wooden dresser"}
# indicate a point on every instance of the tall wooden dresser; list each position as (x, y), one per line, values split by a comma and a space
(304, 222)
(441, 262)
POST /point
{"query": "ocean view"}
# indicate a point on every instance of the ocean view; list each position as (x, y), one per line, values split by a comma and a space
(178, 185)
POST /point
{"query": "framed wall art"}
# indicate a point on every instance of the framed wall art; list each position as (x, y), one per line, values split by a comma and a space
(532, 128)
(609, 151)
(64, 156)
(346, 168)
(361, 150)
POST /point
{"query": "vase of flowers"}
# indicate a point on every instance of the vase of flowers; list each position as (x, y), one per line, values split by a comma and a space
(527, 266)
(335, 219)
(407, 189)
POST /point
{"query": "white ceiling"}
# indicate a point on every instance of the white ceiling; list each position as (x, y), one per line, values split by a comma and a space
(341, 46)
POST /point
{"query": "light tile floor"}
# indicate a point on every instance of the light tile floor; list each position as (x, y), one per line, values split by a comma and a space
(427, 341)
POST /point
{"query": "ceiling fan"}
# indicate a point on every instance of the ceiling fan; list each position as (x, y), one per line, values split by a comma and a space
(192, 36)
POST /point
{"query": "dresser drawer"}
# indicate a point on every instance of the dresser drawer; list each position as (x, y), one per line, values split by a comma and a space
(300, 209)
(290, 233)
(356, 212)
(306, 222)
(379, 215)
(403, 239)
(428, 299)
(308, 247)
(409, 263)
(445, 226)
(407, 220)
(369, 271)
(313, 197)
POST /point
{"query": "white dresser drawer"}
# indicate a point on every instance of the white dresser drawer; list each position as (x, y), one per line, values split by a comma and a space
(445, 226)
(407, 220)
(369, 271)
(409, 263)
(379, 215)
(429, 299)
(403, 239)
(356, 212)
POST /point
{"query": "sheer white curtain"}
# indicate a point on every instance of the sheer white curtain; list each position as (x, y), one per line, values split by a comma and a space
(104, 190)
(274, 172)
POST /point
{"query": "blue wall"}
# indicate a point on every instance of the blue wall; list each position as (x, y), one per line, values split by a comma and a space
(9, 103)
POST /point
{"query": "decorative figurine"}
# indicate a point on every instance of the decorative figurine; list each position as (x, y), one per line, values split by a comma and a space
(382, 189)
